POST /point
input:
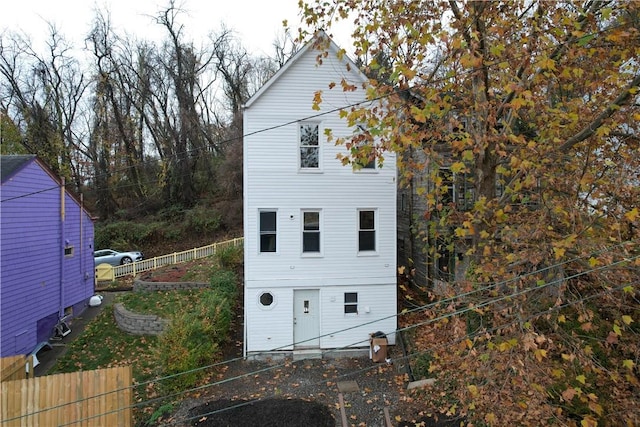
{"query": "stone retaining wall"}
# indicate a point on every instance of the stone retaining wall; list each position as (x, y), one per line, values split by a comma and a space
(138, 324)
(142, 286)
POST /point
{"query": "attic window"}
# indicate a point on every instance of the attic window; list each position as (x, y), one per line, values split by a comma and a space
(68, 251)
(309, 146)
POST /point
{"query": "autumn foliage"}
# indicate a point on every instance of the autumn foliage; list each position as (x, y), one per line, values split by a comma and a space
(535, 104)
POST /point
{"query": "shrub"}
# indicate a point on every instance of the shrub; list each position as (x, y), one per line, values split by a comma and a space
(194, 336)
(126, 235)
(225, 282)
(202, 219)
(230, 258)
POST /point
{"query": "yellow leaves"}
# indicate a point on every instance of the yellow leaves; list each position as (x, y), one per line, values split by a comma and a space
(603, 131)
(501, 216)
(627, 319)
(581, 379)
(632, 215)
(628, 364)
(559, 252)
(418, 114)
(588, 421)
(317, 100)
(458, 167)
(507, 345)
(461, 232)
(547, 64)
(490, 418)
(562, 319)
(540, 354)
(595, 407)
(473, 390)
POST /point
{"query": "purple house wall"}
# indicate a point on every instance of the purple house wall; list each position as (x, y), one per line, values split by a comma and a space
(46, 254)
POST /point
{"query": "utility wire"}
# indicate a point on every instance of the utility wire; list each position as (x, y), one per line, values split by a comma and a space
(407, 357)
(355, 104)
(433, 320)
(427, 306)
(371, 322)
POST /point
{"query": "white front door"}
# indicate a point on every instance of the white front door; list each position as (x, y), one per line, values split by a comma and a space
(306, 318)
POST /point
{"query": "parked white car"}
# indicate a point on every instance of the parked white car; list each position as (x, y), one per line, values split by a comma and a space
(109, 256)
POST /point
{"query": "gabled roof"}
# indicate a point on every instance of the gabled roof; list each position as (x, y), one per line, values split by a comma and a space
(9, 165)
(320, 41)
(12, 164)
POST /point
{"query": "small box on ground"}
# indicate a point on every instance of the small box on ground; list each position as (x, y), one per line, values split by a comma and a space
(378, 347)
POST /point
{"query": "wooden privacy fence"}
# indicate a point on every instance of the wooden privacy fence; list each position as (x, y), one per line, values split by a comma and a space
(105, 272)
(15, 367)
(89, 398)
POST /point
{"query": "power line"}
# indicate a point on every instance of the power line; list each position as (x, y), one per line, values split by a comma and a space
(337, 109)
(424, 307)
(431, 349)
(429, 321)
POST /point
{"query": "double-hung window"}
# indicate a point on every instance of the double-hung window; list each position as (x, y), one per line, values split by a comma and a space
(309, 146)
(267, 231)
(366, 230)
(311, 232)
(350, 303)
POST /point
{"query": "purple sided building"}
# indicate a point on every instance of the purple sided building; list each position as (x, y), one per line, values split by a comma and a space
(46, 256)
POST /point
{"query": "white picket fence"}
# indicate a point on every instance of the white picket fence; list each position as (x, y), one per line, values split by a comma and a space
(105, 272)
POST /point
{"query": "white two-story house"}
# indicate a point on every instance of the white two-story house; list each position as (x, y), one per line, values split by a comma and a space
(320, 237)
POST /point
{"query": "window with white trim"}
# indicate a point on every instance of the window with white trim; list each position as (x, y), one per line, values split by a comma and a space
(309, 141)
(266, 299)
(366, 230)
(350, 303)
(311, 232)
(267, 231)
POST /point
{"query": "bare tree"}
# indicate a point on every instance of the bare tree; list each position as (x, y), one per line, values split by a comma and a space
(42, 95)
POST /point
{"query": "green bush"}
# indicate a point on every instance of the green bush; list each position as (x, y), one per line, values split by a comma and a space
(230, 258)
(194, 335)
(421, 364)
(203, 219)
(126, 235)
(225, 282)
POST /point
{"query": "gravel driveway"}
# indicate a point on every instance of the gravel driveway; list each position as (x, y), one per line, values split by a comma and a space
(367, 388)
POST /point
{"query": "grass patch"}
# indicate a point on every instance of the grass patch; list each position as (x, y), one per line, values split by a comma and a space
(103, 345)
(200, 322)
(161, 303)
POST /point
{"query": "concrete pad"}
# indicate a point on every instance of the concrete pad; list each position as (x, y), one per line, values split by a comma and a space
(421, 383)
(347, 386)
(306, 354)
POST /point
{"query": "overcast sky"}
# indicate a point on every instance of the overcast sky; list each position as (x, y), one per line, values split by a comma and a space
(257, 22)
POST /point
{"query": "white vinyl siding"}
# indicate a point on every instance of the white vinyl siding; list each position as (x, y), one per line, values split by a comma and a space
(272, 328)
(274, 180)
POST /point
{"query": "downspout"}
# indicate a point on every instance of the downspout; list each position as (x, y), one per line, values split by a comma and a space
(81, 251)
(62, 237)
